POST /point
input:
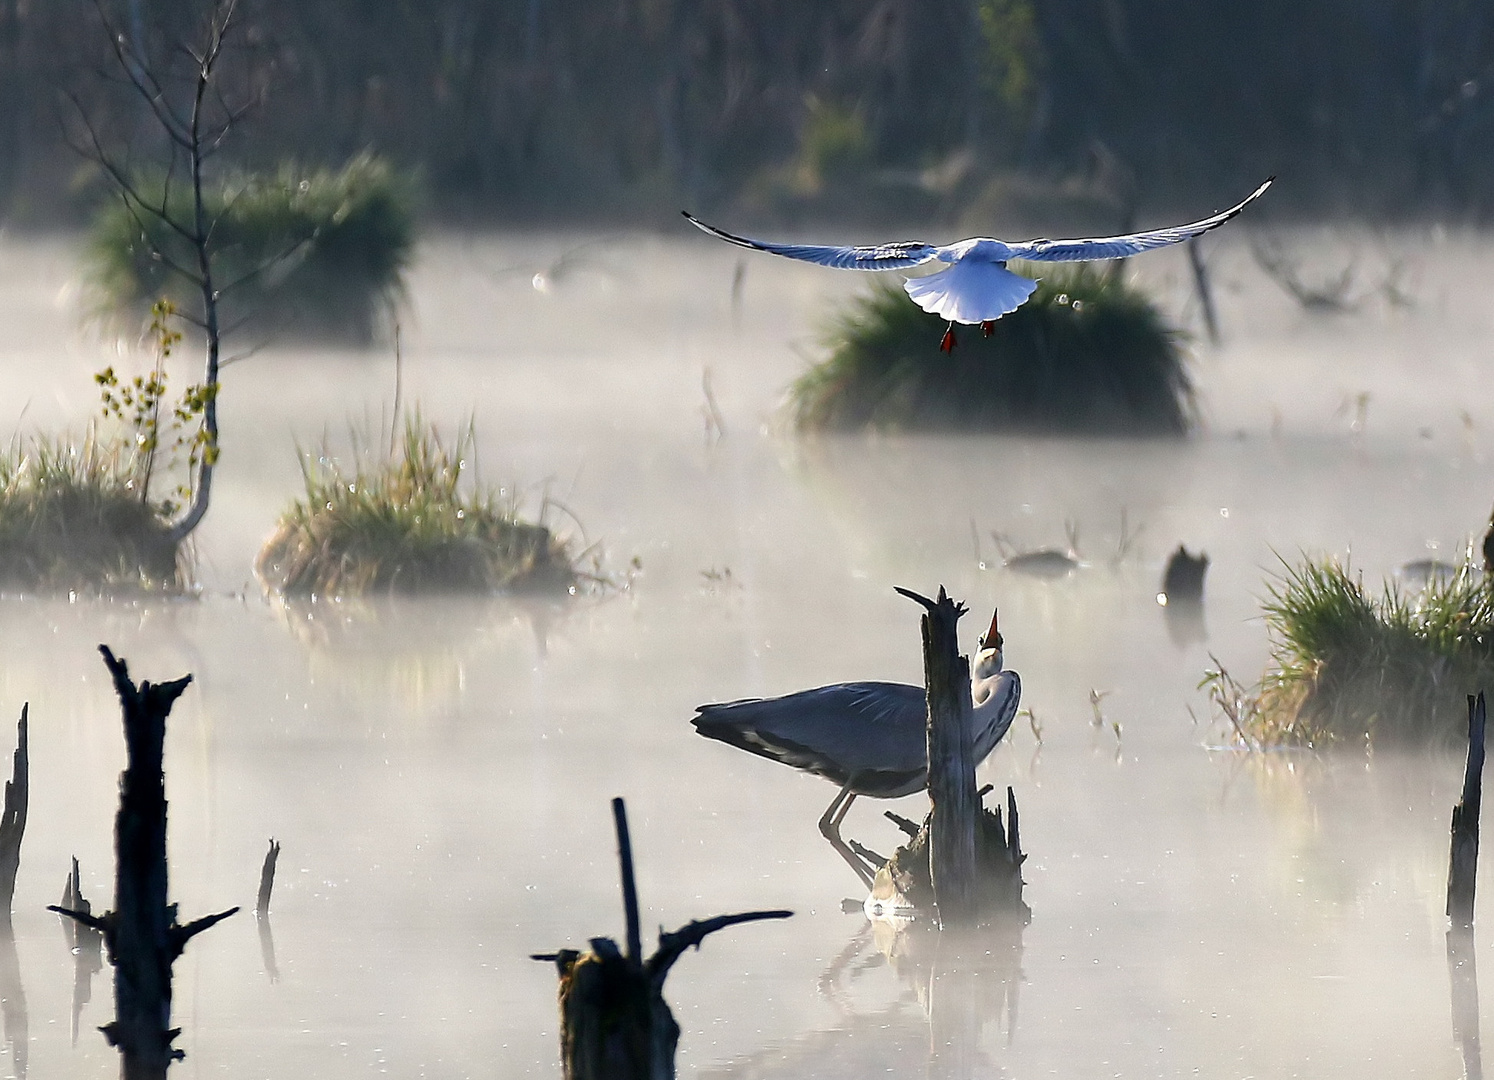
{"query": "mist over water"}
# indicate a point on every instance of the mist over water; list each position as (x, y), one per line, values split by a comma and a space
(438, 770)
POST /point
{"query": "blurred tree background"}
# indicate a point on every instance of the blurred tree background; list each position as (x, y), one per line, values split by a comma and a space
(895, 109)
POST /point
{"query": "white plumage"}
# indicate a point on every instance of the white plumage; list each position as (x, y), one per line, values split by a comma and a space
(977, 287)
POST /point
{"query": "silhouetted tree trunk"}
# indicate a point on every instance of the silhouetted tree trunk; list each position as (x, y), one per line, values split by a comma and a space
(1463, 862)
(13, 820)
(614, 1023)
(141, 931)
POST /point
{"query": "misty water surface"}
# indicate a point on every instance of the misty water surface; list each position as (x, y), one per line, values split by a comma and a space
(438, 771)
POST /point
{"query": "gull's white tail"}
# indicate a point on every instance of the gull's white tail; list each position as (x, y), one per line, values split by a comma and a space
(970, 292)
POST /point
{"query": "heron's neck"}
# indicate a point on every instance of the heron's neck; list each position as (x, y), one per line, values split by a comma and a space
(984, 679)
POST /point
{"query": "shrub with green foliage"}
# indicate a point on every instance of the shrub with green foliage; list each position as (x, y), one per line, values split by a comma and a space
(1349, 666)
(409, 524)
(72, 517)
(319, 253)
(1086, 354)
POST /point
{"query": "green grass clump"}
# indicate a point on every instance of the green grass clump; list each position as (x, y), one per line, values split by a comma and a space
(1087, 353)
(72, 518)
(409, 524)
(1349, 666)
(319, 253)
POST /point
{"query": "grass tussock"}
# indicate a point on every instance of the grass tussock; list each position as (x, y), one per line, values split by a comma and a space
(1087, 353)
(319, 253)
(412, 523)
(72, 519)
(1349, 666)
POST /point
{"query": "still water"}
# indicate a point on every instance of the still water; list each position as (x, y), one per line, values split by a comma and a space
(438, 771)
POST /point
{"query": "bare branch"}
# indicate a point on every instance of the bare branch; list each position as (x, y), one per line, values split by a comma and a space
(672, 946)
(93, 922)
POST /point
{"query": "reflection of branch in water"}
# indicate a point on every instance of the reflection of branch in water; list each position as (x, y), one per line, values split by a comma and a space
(84, 942)
(961, 983)
(13, 1004)
(1462, 972)
(267, 946)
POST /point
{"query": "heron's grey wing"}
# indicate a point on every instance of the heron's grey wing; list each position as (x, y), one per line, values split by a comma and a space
(1119, 247)
(897, 256)
(836, 731)
(970, 292)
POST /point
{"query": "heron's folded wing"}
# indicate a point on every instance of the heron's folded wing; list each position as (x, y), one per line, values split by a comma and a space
(897, 256)
(1119, 247)
(970, 292)
(845, 729)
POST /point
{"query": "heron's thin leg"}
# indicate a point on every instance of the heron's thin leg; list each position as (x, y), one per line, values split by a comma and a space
(830, 821)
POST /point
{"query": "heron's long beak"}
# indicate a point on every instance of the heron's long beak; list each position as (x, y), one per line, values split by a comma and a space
(992, 638)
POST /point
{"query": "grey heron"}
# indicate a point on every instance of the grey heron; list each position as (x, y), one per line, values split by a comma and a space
(869, 738)
(976, 287)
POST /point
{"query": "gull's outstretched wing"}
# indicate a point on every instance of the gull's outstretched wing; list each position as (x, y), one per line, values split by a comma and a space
(1118, 247)
(897, 256)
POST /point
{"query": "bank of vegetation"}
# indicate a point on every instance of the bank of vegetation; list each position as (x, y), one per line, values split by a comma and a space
(414, 521)
(297, 252)
(1088, 353)
(1354, 665)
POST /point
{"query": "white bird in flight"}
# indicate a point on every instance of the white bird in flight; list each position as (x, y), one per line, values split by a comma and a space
(977, 287)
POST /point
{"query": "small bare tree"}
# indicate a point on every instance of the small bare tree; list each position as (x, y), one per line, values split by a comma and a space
(195, 118)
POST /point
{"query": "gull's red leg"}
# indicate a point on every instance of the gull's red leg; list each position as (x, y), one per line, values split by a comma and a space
(987, 327)
(948, 344)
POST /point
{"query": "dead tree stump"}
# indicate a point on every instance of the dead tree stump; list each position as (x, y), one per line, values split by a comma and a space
(904, 881)
(1463, 860)
(141, 931)
(614, 1023)
(13, 819)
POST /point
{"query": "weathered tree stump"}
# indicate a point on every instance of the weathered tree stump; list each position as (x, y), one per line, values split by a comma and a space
(1463, 859)
(614, 1023)
(141, 931)
(13, 819)
(905, 882)
(963, 863)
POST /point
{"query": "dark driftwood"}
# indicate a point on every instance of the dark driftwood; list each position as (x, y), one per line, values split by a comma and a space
(13, 819)
(614, 1023)
(1463, 861)
(267, 879)
(84, 942)
(141, 931)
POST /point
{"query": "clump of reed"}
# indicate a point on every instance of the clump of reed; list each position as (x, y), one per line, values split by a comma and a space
(73, 517)
(410, 522)
(1352, 666)
(1087, 353)
(318, 253)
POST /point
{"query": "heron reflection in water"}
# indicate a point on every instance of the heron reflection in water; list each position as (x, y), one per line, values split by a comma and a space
(869, 738)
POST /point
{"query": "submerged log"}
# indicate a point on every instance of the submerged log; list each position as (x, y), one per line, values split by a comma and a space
(1463, 860)
(614, 1023)
(141, 931)
(13, 819)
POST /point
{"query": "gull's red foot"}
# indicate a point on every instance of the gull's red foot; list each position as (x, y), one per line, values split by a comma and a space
(987, 327)
(948, 344)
